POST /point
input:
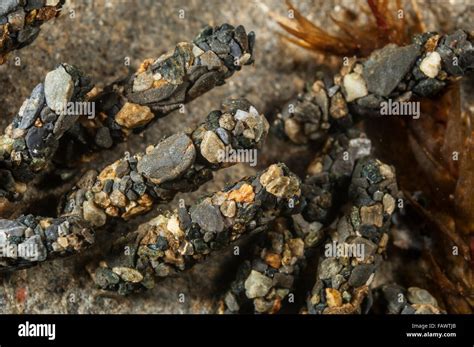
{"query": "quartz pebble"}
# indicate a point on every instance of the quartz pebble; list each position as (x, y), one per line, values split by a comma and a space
(431, 64)
(257, 285)
(58, 89)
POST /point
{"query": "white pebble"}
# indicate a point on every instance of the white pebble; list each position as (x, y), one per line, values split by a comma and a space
(354, 86)
(431, 65)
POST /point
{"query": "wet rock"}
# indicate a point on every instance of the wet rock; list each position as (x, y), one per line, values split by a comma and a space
(360, 274)
(12, 228)
(103, 138)
(169, 159)
(428, 87)
(40, 141)
(386, 67)
(208, 217)
(31, 107)
(257, 285)
(58, 89)
(212, 147)
(7, 5)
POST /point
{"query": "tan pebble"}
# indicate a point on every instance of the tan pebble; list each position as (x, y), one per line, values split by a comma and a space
(93, 214)
(243, 194)
(228, 208)
(128, 274)
(333, 297)
(386, 171)
(108, 173)
(297, 247)
(372, 215)
(294, 130)
(388, 203)
(273, 259)
(63, 242)
(227, 122)
(144, 65)
(132, 115)
(102, 199)
(118, 198)
(273, 172)
(112, 211)
(212, 147)
(44, 223)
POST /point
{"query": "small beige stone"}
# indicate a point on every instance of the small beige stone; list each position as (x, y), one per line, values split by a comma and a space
(228, 208)
(372, 215)
(174, 228)
(283, 187)
(296, 247)
(93, 214)
(212, 147)
(63, 242)
(102, 199)
(227, 121)
(273, 172)
(128, 274)
(388, 203)
(386, 171)
(118, 198)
